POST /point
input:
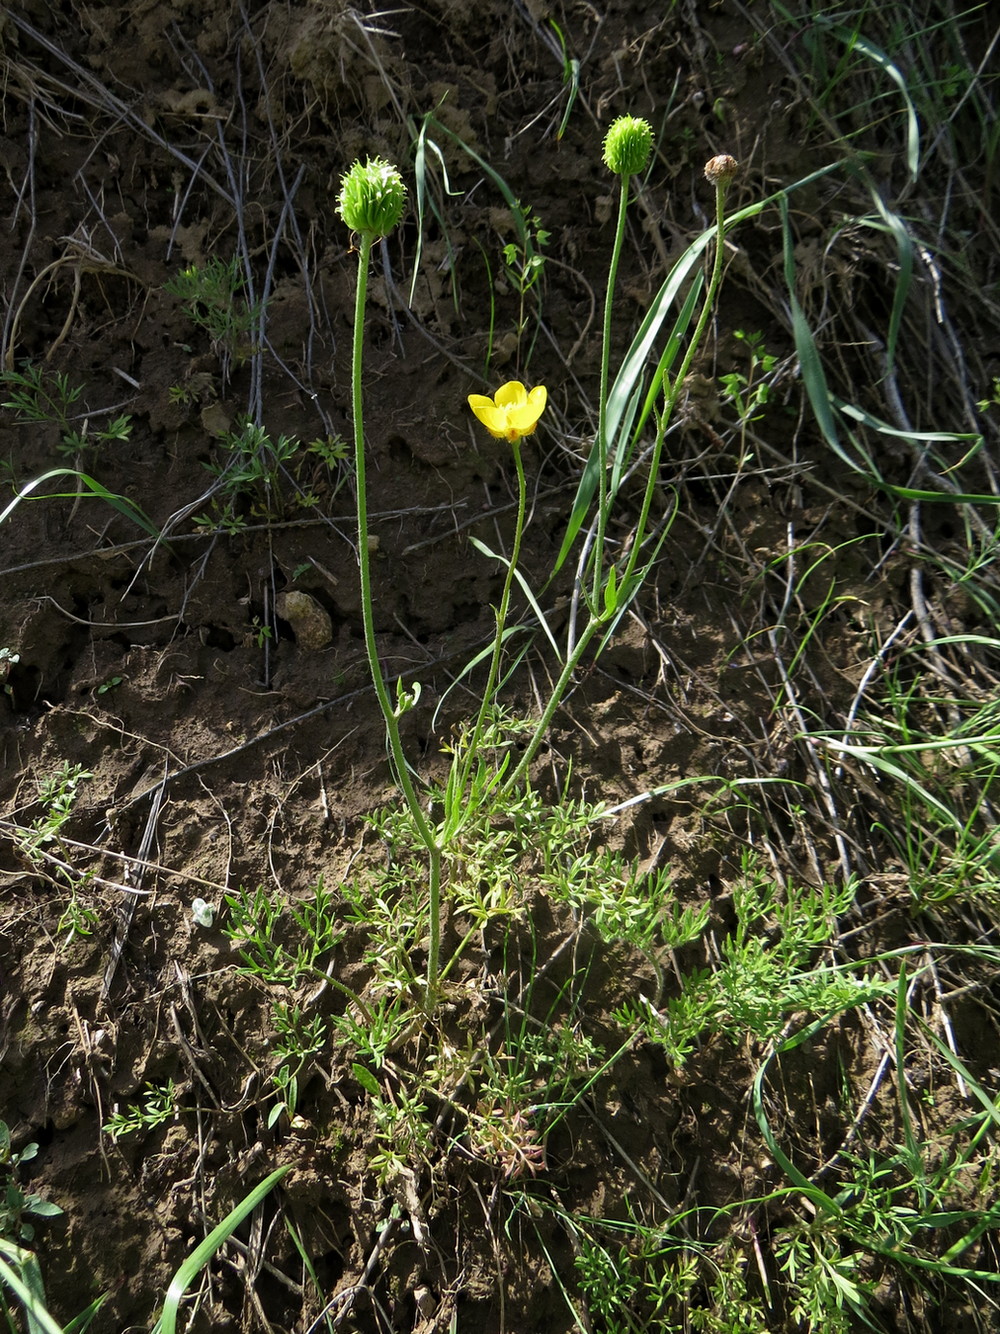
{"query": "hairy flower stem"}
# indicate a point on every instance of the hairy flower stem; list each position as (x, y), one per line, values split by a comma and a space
(520, 774)
(602, 403)
(391, 716)
(501, 619)
(674, 392)
(599, 617)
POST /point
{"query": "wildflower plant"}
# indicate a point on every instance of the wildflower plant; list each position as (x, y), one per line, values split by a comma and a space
(524, 265)
(371, 203)
(511, 414)
(17, 1206)
(627, 148)
(608, 587)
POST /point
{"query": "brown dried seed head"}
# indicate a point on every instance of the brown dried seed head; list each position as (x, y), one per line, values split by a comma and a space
(721, 170)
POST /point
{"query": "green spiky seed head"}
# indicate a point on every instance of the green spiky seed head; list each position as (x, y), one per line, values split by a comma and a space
(627, 145)
(372, 197)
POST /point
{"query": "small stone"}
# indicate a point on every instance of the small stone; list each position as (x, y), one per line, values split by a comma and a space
(310, 622)
(216, 420)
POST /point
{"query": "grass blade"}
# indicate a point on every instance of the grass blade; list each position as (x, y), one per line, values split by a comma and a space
(23, 1275)
(885, 63)
(813, 375)
(203, 1253)
(95, 488)
(894, 224)
(532, 600)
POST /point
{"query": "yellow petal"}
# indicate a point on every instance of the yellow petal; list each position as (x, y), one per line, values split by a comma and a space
(522, 419)
(511, 394)
(537, 399)
(492, 417)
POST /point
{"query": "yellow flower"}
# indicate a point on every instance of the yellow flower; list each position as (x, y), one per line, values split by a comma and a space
(512, 412)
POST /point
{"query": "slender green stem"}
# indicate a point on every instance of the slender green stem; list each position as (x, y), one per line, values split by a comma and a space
(602, 404)
(555, 699)
(390, 715)
(600, 616)
(675, 390)
(434, 920)
(501, 620)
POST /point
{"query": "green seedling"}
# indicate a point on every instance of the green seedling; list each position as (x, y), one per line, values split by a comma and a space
(78, 919)
(767, 969)
(158, 1105)
(39, 397)
(249, 476)
(299, 1038)
(260, 633)
(259, 927)
(402, 1130)
(524, 267)
(214, 299)
(748, 390)
(285, 945)
(631, 1274)
(250, 485)
(41, 843)
(57, 794)
(18, 1207)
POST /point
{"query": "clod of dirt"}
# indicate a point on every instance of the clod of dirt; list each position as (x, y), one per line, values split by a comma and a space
(309, 621)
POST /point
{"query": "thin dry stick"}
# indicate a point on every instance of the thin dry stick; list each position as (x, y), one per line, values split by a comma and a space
(128, 911)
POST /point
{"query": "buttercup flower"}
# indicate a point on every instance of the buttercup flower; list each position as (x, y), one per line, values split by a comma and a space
(512, 412)
(627, 145)
(372, 197)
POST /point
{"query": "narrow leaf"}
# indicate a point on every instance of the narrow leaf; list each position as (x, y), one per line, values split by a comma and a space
(203, 1253)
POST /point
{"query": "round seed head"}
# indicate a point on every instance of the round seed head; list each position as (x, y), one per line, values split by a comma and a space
(372, 197)
(627, 145)
(721, 170)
